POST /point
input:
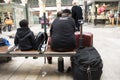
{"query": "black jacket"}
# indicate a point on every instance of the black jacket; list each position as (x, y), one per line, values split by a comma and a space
(24, 39)
(77, 13)
(62, 34)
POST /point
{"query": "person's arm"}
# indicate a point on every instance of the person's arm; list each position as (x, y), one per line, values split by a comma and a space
(73, 23)
(16, 41)
(51, 30)
(32, 38)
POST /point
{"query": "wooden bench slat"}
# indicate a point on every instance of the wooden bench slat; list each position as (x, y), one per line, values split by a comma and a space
(48, 53)
(51, 52)
(3, 49)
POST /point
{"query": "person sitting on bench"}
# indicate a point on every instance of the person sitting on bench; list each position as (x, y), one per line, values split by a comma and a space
(62, 33)
(24, 37)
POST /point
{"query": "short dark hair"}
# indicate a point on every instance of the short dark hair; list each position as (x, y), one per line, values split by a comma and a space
(59, 14)
(23, 23)
(67, 11)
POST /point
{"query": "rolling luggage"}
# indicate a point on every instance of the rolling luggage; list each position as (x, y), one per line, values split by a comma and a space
(87, 39)
(83, 39)
(86, 64)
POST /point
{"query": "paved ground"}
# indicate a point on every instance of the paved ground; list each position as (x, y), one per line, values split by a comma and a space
(106, 41)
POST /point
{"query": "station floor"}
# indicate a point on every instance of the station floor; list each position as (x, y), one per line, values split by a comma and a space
(105, 40)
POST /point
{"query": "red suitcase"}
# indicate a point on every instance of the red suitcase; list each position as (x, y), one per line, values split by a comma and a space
(87, 39)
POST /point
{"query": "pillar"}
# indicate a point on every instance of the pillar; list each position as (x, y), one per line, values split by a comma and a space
(41, 8)
(58, 4)
(25, 3)
(118, 14)
(7, 1)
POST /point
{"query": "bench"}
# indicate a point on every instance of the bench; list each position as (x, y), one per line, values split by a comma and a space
(4, 52)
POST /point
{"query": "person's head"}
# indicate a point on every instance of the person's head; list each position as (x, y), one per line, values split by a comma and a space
(66, 12)
(23, 23)
(75, 3)
(59, 14)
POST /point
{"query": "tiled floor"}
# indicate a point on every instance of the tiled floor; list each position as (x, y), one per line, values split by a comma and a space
(106, 41)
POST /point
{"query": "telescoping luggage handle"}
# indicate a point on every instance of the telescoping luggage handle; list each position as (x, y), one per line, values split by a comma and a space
(80, 21)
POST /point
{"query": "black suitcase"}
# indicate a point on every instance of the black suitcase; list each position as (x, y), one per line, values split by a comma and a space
(86, 64)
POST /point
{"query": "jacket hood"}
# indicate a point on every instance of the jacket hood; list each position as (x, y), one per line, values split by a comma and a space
(22, 32)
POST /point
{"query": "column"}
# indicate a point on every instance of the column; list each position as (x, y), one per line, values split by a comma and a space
(7, 1)
(85, 10)
(93, 13)
(41, 8)
(42, 12)
(58, 4)
(25, 3)
(117, 22)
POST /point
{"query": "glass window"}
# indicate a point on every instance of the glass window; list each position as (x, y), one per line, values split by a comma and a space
(33, 3)
(17, 1)
(66, 2)
(50, 3)
(1, 1)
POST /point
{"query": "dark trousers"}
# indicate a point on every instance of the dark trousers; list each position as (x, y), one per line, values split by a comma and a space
(9, 27)
(77, 26)
(0, 30)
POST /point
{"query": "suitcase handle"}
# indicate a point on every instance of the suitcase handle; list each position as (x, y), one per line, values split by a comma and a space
(81, 32)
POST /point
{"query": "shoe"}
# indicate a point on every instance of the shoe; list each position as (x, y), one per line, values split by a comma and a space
(35, 57)
(26, 57)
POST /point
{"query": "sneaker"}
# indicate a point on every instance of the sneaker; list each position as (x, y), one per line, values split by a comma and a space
(26, 57)
(49, 61)
(35, 57)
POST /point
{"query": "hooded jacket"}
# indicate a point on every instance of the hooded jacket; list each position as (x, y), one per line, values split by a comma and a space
(24, 39)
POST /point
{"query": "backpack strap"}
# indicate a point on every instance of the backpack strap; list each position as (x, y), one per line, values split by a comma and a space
(89, 73)
(44, 41)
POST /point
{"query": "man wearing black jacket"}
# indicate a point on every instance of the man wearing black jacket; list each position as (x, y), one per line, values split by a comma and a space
(77, 14)
(62, 32)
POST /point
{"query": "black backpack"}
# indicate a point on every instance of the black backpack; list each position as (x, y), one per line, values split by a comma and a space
(40, 39)
(86, 64)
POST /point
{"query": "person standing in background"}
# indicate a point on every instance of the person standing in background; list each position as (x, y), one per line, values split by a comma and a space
(8, 23)
(112, 17)
(0, 25)
(76, 13)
